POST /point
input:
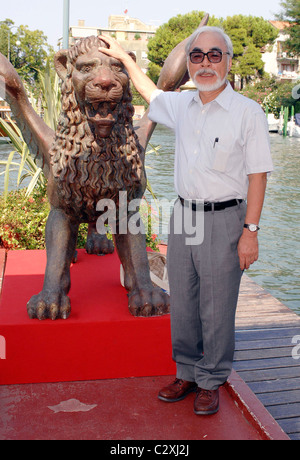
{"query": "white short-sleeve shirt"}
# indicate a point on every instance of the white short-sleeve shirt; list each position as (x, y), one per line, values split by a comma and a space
(217, 144)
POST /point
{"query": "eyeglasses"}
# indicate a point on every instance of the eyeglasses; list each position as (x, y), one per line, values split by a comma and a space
(214, 57)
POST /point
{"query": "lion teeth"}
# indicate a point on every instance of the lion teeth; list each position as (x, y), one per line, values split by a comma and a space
(98, 110)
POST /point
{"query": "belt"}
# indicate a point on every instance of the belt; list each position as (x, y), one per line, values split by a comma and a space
(207, 206)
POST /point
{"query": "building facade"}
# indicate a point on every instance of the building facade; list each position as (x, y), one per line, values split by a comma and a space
(278, 61)
(132, 34)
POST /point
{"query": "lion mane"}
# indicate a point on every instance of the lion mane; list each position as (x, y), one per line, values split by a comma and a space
(87, 168)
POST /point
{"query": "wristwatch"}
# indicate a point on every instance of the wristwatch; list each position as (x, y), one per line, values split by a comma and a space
(252, 227)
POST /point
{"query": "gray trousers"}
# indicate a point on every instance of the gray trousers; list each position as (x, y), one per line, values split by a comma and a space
(204, 285)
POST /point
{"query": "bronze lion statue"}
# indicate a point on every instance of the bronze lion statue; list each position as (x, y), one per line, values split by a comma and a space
(95, 154)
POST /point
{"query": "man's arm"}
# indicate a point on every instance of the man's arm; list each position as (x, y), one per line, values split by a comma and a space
(248, 244)
(141, 82)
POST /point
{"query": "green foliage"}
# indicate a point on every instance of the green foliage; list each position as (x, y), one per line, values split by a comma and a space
(137, 99)
(291, 13)
(154, 71)
(28, 50)
(23, 221)
(170, 34)
(25, 165)
(50, 94)
(248, 34)
(149, 218)
(4, 37)
(271, 94)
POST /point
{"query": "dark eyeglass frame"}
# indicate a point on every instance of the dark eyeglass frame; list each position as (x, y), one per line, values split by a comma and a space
(209, 55)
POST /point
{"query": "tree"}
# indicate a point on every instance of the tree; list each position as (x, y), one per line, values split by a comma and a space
(27, 50)
(5, 36)
(249, 35)
(250, 63)
(291, 13)
(169, 35)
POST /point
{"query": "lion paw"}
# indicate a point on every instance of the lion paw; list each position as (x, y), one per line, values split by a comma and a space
(149, 302)
(99, 244)
(53, 306)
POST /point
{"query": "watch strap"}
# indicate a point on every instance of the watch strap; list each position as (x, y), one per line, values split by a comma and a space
(248, 226)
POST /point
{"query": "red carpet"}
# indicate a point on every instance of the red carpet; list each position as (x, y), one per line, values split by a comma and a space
(100, 340)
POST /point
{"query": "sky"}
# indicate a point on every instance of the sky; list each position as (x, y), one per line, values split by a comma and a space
(48, 15)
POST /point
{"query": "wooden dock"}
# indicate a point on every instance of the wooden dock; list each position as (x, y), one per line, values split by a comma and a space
(267, 354)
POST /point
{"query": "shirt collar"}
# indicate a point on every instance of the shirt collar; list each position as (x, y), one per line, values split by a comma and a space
(224, 99)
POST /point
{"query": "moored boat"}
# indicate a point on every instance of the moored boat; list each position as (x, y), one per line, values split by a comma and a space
(273, 123)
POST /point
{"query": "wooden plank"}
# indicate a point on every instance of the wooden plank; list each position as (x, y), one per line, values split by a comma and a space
(255, 307)
(286, 320)
(267, 386)
(269, 374)
(294, 436)
(263, 353)
(269, 333)
(279, 397)
(272, 363)
(290, 426)
(263, 344)
(284, 410)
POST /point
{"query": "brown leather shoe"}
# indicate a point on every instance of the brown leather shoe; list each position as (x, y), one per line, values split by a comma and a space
(206, 402)
(177, 391)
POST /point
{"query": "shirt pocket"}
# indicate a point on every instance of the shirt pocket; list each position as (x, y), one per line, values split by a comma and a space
(221, 155)
(222, 148)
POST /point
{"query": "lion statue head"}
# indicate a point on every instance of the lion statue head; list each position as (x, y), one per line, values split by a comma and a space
(96, 152)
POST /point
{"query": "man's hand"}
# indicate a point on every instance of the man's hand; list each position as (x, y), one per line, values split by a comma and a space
(248, 244)
(248, 249)
(114, 50)
(141, 82)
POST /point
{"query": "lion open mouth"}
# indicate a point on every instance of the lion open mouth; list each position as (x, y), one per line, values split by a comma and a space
(100, 112)
(102, 115)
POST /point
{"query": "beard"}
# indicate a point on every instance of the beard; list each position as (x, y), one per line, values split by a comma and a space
(208, 87)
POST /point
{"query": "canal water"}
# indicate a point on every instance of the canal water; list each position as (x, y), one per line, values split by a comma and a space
(278, 268)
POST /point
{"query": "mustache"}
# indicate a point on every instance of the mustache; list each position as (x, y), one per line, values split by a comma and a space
(205, 72)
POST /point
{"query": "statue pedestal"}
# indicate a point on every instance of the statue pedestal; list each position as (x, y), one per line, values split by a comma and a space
(100, 340)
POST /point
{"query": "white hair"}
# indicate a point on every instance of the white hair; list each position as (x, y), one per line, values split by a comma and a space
(203, 29)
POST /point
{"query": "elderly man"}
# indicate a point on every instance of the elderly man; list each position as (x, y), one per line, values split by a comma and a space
(222, 159)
